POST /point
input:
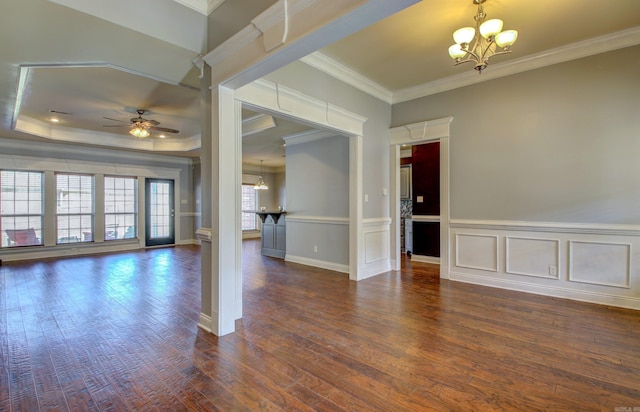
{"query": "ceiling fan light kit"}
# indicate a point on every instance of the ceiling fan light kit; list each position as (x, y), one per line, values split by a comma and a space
(139, 132)
(140, 127)
(491, 41)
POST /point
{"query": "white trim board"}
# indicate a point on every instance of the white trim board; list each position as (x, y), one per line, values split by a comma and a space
(545, 290)
(555, 227)
(64, 150)
(425, 259)
(322, 220)
(322, 264)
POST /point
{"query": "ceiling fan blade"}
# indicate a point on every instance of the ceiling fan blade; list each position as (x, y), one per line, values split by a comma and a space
(150, 123)
(114, 125)
(164, 129)
(115, 120)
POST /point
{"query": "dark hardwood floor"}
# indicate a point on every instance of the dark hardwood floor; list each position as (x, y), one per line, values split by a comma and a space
(118, 332)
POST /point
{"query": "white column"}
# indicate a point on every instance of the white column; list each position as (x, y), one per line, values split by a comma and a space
(356, 254)
(394, 207)
(222, 270)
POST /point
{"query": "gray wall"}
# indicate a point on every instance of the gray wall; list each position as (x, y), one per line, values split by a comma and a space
(556, 144)
(312, 82)
(269, 198)
(317, 184)
(231, 17)
(318, 177)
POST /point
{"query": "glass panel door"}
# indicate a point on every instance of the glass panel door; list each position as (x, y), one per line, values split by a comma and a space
(160, 213)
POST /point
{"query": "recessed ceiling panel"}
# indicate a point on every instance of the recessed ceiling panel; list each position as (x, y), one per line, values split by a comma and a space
(82, 97)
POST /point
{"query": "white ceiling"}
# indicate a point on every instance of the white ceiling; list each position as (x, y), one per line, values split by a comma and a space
(94, 61)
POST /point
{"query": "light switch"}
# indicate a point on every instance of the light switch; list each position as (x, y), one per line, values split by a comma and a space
(419, 199)
(366, 198)
(384, 191)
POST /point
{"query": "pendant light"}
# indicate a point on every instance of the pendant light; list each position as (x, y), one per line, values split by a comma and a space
(261, 185)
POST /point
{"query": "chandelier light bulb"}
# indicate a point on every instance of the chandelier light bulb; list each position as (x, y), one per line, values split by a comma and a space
(464, 35)
(490, 28)
(456, 52)
(506, 38)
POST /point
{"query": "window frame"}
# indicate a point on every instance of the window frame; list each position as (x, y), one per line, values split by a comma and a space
(29, 236)
(111, 234)
(83, 235)
(256, 226)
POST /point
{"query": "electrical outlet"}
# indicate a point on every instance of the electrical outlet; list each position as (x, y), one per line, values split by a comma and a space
(315, 249)
(553, 271)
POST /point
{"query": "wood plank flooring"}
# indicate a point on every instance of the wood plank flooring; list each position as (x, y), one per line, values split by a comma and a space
(118, 332)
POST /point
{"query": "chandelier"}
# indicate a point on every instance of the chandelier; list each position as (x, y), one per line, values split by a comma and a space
(491, 41)
(261, 185)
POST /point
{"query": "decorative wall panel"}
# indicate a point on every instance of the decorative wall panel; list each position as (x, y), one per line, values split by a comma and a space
(600, 263)
(477, 251)
(533, 257)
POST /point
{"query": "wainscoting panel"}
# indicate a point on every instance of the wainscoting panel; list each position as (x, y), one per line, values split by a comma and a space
(600, 263)
(475, 251)
(376, 245)
(592, 263)
(532, 257)
(377, 253)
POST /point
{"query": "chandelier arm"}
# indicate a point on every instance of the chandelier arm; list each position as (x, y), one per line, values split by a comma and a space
(498, 53)
(469, 56)
(465, 61)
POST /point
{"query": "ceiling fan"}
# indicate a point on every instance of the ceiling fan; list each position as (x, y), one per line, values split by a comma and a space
(139, 127)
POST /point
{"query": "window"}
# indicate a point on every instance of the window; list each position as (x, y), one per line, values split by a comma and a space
(249, 202)
(74, 208)
(120, 208)
(21, 208)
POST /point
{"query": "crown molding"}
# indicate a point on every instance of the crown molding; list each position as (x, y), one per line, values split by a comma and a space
(65, 150)
(308, 136)
(584, 48)
(256, 124)
(201, 6)
(327, 65)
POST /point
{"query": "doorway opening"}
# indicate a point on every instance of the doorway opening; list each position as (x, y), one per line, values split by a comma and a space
(430, 131)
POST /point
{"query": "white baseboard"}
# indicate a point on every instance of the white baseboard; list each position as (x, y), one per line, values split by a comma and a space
(68, 250)
(554, 291)
(337, 267)
(251, 235)
(187, 242)
(375, 268)
(205, 322)
(425, 259)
